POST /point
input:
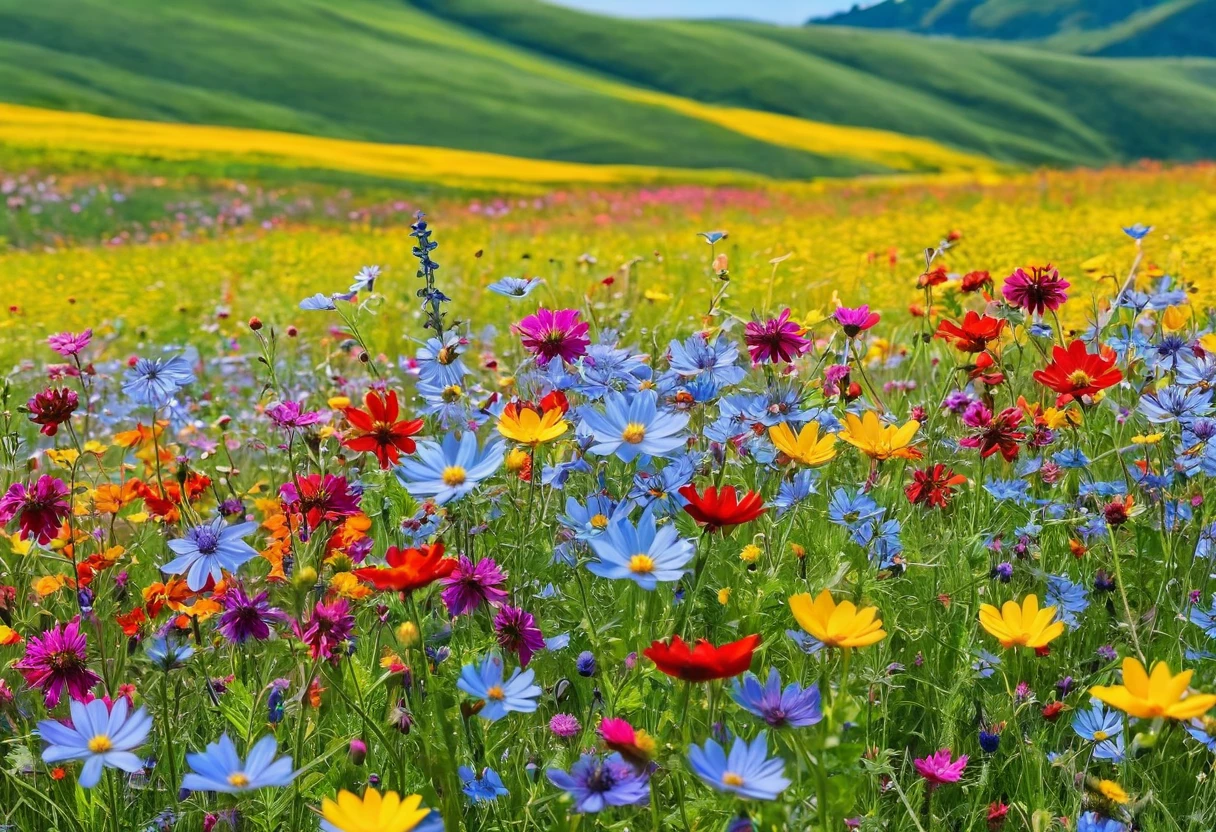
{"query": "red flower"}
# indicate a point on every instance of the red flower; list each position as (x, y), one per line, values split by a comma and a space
(933, 486)
(984, 362)
(409, 569)
(52, 407)
(1077, 372)
(703, 662)
(1052, 710)
(993, 433)
(974, 281)
(974, 334)
(378, 429)
(934, 277)
(719, 508)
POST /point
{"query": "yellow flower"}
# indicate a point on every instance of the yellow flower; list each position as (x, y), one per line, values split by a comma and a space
(517, 460)
(807, 447)
(750, 553)
(1056, 418)
(1112, 791)
(724, 595)
(525, 425)
(1161, 694)
(8, 636)
(877, 440)
(1149, 439)
(346, 585)
(407, 633)
(65, 457)
(656, 295)
(1021, 626)
(1175, 318)
(842, 625)
(373, 814)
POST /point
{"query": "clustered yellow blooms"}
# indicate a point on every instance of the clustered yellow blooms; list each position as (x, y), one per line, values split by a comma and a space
(837, 625)
(807, 447)
(1022, 625)
(879, 441)
(372, 813)
(526, 426)
(1160, 694)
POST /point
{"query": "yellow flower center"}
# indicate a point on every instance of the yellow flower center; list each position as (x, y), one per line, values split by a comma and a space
(640, 564)
(496, 694)
(238, 780)
(452, 393)
(453, 476)
(1079, 379)
(731, 779)
(633, 433)
(1100, 735)
(599, 521)
(100, 744)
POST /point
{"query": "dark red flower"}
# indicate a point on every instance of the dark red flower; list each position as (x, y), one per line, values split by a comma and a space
(378, 429)
(933, 486)
(409, 569)
(52, 407)
(934, 277)
(1037, 292)
(1075, 372)
(1052, 710)
(319, 498)
(993, 433)
(703, 662)
(974, 281)
(974, 334)
(719, 508)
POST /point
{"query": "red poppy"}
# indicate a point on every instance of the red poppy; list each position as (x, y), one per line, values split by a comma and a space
(1077, 372)
(719, 508)
(933, 486)
(703, 662)
(974, 281)
(409, 569)
(934, 277)
(974, 334)
(379, 431)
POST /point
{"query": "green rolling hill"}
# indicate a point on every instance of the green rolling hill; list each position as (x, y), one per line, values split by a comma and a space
(525, 78)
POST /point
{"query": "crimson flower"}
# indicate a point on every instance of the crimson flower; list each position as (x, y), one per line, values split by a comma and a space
(720, 508)
(56, 660)
(974, 281)
(40, 509)
(52, 407)
(378, 428)
(933, 486)
(704, 662)
(1075, 372)
(774, 340)
(974, 334)
(1041, 290)
(993, 433)
(409, 569)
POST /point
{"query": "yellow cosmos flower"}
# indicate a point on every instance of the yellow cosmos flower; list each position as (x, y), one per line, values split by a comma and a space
(371, 813)
(807, 446)
(525, 425)
(837, 625)
(879, 441)
(1021, 626)
(1161, 694)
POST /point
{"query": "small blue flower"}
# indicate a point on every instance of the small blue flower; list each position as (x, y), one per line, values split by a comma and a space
(597, 782)
(589, 521)
(168, 654)
(1015, 491)
(219, 769)
(1205, 619)
(747, 771)
(1069, 599)
(1098, 723)
(644, 554)
(1138, 231)
(449, 471)
(985, 663)
(154, 381)
(1176, 403)
(1203, 731)
(794, 707)
(695, 357)
(852, 510)
(102, 737)
(365, 280)
(1093, 822)
(318, 303)
(585, 664)
(633, 426)
(805, 642)
(515, 287)
(483, 788)
(516, 694)
(793, 491)
(712, 237)
(208, 550)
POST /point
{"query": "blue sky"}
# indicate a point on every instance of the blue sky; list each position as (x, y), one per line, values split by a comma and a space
(776, 11)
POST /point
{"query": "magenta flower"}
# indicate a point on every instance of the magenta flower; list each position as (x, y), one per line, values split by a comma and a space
(553, 334)
(855, 319)
(69, 344)
(472, 584)
(52, 407)
(58, 659)
(1036, 292)
(246, 618)
(329, 629)
(937, 769)
(40, 510)
(288, 415)
(517, 632)
(777, 339)
(565, 725)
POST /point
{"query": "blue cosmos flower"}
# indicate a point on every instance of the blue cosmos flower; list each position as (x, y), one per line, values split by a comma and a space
(1015, 491)
(597, 782)
(1203, 732)
(449, 471)
(881, 539)
(793, 491)
(1114, 488)
(516, 694)
(208, 550)
(1176, 403)
(805, 642)
(365, 280)
(696, 357)
(660, 491)
(102, 737)
(439, 361)
(591, 520)
(1071, 458)
(852, 510)
(1093, 822)
(1205, 619)
(985, 663)
(556, 476)
(794, 707)
(154, 381)
(483, 788)
(1098, 724)
(607, 369)
(167, 653)
(1039, 329)
(450, 404)
(1164, 295)
(1165, 356)
(318, 303)
(558, 642)
(747, 771)
(1111, 751)
(1138, 231)
(515, 287)
(1069, 599)
(1177, 514)
(712, 237)
(644, 554)
(220, 769)
(633, 426)
(1194, 369)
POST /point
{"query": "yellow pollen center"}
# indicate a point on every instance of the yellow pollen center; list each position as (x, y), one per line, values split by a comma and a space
(100, 744)
(453, 476)
(446, 356)
(1079, 379)
(1100, 735)
(452, 393)
(238, 779)
(732, 779)
(496, 694)
(633, 433)
(641, 563)
(599, 521)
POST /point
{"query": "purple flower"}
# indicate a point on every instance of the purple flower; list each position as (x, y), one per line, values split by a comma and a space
(58, 659)
(329, 628)
(69, 344)
(40, 509)
(247, 618)
(472, 584)
(517, 632)
(938, 769)
(597, 782)
(855, 320)
(1036, 292)
(292, 415)
(553, 334)
(794, 706)
(564, 725)
(774, 340)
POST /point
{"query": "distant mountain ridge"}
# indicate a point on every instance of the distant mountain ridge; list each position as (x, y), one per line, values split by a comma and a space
(1114, 28)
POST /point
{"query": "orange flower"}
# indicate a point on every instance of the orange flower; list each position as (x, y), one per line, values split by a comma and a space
(1077, 372)
(409, 569)
(377, 429)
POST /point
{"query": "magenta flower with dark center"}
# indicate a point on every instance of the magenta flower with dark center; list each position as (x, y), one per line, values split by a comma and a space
(290, 415)
(938, 769)
(52, 407)
(472, 584)
(69, 344)
(40, 510)
(774, 340)
(553, 334)
(1037, 292)
(328, 630)
(517, 632)
(855, 320)
(246, 618)
(56, 660)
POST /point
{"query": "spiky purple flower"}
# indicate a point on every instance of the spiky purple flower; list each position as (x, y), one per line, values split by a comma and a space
(472, 584)
(517, 631)
(56, 660)
(246, 618)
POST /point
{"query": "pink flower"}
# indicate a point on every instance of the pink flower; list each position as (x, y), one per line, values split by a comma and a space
(1036, 292)
(288, 415)
(553, 334)
(565, 725)
(329, 629)
(937, 769)
(472, 584)
(777, 339)
(69, 344)
(855, 320)
(56, 660)
(40, 510)
(517, 632)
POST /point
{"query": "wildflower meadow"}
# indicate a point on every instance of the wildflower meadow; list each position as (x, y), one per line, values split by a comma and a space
(876, 505)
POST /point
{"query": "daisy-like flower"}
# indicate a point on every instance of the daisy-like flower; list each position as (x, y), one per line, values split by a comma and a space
(837, 625)
(51, 408)
(448, 471)
(409, 569)
(879, 441)
(154, 381)
(807, 447)
(1037, 292)
(516, 694)
(530, 425)
(933, 487)
(483, 787)
(855, 320)
(644, 554)
(470, 585)
(70, 344)
(1075, 372)
(938, 769)
(208, 550)
(597, 782)
(379, 430)
(993, 433)
(553, 334)
(103, 737)
(1161, 694)
(56, 660)
(517, 632)
(246, 618)
(747, 771)
(291, 415)
(793, 707)
(974, 334)
(775, 340)
(1023, 625)
(40, 509)
(632, 426)
(328, 630)
(515, 287)
(220, 769)
(373, 812)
